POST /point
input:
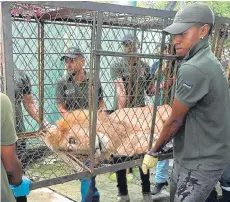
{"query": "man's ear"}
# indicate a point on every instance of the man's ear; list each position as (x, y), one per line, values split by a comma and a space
(205, 30)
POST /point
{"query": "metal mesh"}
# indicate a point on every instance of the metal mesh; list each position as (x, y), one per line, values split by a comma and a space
(221, 46)
(225, 46)
(37, 49)
(225, 54)
(1, 63)
(2, 78)
(90, 139)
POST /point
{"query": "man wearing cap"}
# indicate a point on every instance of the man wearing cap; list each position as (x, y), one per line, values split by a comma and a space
(132, 78)
(199, 122)
(72, 92)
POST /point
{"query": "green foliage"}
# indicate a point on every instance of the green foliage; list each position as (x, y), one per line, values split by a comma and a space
(152, 4)
(100, 1)
(220, 8)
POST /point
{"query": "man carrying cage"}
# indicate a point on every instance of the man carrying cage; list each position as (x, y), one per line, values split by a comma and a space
(199, 122)
(72, 92)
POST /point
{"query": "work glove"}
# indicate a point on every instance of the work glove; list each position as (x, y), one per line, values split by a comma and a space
(23, 189)
(148, 162)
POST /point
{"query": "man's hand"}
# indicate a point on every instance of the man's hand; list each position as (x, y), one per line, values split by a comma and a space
(148, 162)
(166, 84)
(169, 82)
(62, 109)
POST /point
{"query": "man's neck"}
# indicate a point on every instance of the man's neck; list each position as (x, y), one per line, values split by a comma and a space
(133, 60)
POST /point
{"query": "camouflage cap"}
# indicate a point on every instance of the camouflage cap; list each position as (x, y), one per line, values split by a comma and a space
(189, 16)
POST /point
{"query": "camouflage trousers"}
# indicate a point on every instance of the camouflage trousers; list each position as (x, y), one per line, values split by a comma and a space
(192, 185)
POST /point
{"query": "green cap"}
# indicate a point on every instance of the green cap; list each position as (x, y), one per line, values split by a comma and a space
(72, 52)
(130, 38)
(189, 16)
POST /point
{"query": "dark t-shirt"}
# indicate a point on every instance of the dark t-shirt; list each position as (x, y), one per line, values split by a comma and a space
(73, 95)
(22, 87)
(204, 139)
(136, 78)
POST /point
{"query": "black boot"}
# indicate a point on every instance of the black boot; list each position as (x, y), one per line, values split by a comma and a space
(158, 187)
(21, 199)
(122, 183)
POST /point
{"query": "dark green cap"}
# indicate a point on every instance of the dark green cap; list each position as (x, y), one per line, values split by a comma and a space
(72, 52)
(130, 38)
(189, 16)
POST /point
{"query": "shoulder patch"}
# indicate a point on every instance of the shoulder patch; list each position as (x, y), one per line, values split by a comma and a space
(187, 85)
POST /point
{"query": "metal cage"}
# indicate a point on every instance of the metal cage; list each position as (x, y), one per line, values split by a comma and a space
(37, 34)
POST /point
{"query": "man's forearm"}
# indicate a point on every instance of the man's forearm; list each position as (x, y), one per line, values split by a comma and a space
(33, 111)
(15, 175)
(121, 98)
(169, 130)
(62, 109)
(121, 95)
(121, 102)
(31, 107)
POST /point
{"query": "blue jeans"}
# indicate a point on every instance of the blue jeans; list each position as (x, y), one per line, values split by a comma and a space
(162, 171)
(89, 192)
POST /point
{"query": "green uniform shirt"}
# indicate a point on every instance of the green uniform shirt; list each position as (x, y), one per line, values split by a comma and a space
(204, 139)
(73, 95)
(136, 79)
(22, 87)
(8, 137)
